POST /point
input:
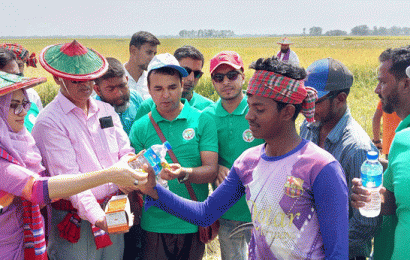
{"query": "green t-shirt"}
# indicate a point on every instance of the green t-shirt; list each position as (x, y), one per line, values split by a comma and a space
(397, 180)
(31, 116)
(189, 134)
(197, 101)
(234, 137)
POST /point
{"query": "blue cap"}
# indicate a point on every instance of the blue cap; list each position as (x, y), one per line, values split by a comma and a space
(166, 60)
(372, 155)
(327, 75)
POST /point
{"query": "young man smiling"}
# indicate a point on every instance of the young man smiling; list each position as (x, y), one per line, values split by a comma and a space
(194, 141)
(234, 137)
(296, 191)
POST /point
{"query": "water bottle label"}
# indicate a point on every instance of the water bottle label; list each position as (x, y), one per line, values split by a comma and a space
(371, 181)
(152, 157)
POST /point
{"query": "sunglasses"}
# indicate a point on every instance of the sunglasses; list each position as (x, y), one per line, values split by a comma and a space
(197, 73)
(232, 75)
(18, 107)
(326, 97)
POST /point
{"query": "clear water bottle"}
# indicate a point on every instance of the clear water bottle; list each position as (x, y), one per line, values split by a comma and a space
(154, 156)
(372, 177)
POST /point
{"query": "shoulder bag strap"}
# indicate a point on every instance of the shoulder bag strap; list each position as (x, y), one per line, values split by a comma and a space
(172, 155)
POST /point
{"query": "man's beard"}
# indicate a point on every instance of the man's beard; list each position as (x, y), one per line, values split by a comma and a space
(390, 102)
(284, 50)
(119, 108)
(122, 108)
(187, 93)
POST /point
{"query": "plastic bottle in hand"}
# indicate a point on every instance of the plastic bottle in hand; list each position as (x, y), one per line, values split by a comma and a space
(154, 156)
(372, 176)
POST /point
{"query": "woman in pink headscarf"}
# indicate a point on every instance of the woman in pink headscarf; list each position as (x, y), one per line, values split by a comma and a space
(22, 189)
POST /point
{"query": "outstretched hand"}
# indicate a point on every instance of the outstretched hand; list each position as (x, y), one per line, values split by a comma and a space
(123, 175)
(174, 171)
(148, 187)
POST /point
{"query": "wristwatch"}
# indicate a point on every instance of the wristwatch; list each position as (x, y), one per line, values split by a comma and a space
(377, 141)
(185, 178)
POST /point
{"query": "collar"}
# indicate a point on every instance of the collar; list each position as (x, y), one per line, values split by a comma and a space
(183, 115)
(337, 132)
(239, 110)
(67, 106)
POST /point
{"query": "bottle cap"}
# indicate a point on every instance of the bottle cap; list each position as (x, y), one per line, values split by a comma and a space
(372, 155)
(167, 145)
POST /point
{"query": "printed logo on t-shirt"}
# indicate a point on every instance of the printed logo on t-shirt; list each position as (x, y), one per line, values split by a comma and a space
(293, 187)
(32, 118)
(248, 136)
(188, 134)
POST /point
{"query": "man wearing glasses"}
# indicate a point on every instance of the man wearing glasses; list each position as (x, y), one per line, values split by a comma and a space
(77, 134)
(192, 60)
(234, 137)
(337, 132)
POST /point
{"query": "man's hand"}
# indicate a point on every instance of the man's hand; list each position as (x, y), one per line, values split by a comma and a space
(102, 224)
(175, 171)
(148, 187)
(360, 195)
(222, 173)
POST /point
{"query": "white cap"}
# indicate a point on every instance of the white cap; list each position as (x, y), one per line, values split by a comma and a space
(166, 60)
(408, 71)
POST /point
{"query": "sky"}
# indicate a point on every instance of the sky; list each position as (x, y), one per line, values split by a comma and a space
(160, 17)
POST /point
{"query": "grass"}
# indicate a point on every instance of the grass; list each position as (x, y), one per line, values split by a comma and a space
(359, 54)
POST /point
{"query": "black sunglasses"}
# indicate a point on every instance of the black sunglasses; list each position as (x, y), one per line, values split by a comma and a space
(326, 97)
(232, 75)
(197, 73)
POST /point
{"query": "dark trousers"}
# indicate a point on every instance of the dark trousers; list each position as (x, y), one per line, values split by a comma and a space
(358, 258)
(173, 246)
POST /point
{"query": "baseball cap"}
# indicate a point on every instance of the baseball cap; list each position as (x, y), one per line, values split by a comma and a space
(226, 57)
(166, 60)
(327, 75)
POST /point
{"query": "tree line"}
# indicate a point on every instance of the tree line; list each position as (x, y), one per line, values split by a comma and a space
(360, 30)
(206, 33)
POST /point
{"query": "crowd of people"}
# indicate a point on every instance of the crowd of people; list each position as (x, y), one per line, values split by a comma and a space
(278, 192)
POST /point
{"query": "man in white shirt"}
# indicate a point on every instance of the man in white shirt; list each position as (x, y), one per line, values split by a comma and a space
(286, 54)
(143, 47)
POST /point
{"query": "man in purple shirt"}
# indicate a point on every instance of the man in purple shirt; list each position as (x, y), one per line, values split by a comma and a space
(296, 192)
(77, 134)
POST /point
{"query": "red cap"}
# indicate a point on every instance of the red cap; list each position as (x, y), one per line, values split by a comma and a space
(226, 57)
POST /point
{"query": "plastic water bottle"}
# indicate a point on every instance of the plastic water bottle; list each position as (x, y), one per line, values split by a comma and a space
(372, 177)
(154, 156)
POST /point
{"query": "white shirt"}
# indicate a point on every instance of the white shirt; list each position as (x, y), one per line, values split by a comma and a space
(141, 86)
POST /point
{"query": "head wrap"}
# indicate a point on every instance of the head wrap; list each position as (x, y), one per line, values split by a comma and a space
(284, 89)
(21, 53)
(21, 145)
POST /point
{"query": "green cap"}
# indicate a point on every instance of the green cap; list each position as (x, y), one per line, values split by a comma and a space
(73, 61)
(12, 82)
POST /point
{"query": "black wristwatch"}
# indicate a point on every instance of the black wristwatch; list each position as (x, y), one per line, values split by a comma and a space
(184, 179)
(376, 142)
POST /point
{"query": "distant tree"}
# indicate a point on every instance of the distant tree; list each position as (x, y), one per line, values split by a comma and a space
(182, 33)
(304, 31)
(360, 30)
(335, 33)
(374, 31)
(383, 31)
(394, 30)
(315, 31)
(405, 31)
